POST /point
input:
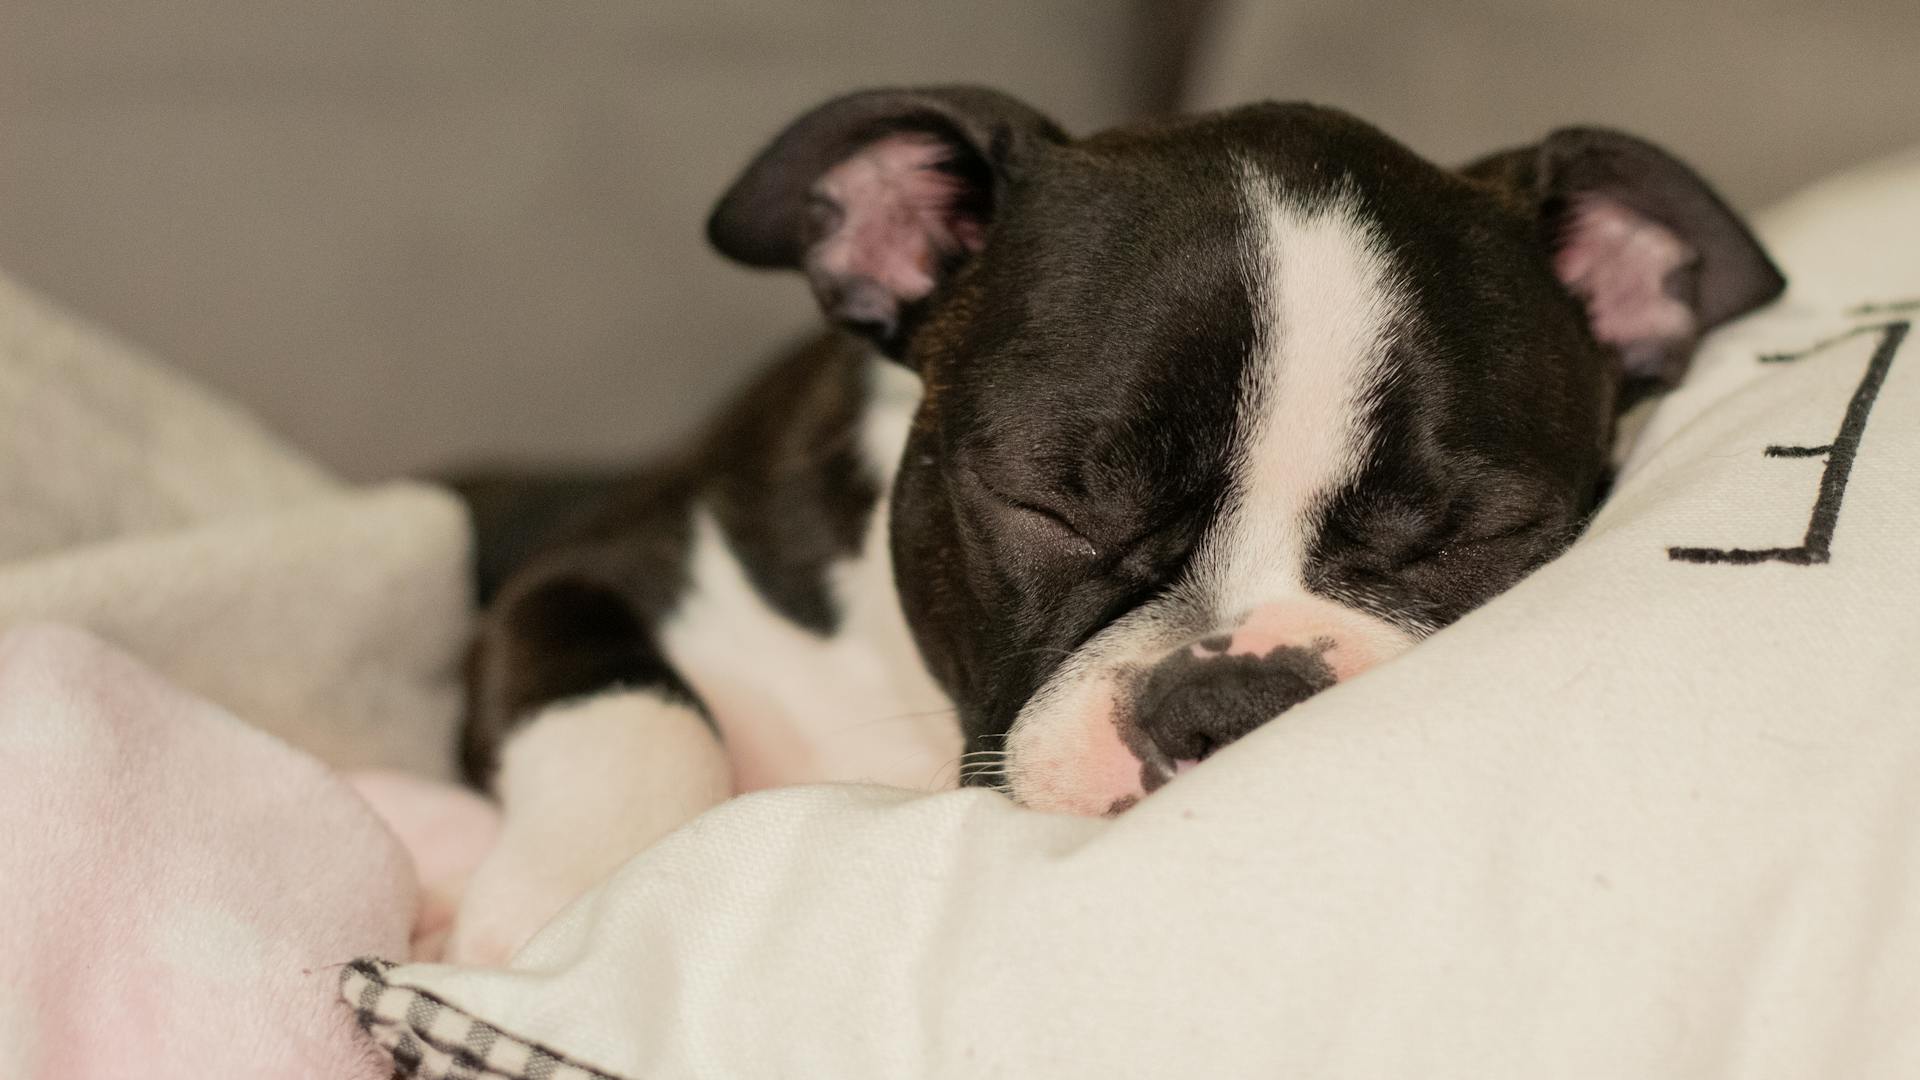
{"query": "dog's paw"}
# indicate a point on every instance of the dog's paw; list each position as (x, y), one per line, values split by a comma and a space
(513, 894)
(448, 830)
(584, 786)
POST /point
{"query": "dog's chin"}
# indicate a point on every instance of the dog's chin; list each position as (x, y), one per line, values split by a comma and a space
(1088, 792)
(1074, 762)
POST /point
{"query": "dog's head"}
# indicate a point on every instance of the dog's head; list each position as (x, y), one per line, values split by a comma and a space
(1222, 410)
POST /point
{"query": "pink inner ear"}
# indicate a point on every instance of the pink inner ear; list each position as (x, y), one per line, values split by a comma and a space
(898, 218)
(1619, 261)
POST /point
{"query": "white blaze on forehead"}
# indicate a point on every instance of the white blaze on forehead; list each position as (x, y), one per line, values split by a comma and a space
(1326, 304)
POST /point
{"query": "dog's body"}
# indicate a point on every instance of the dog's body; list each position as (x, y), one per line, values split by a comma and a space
(1152, 436)
(749, 583)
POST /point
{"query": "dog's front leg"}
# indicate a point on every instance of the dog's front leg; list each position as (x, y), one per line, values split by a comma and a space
(584, 785)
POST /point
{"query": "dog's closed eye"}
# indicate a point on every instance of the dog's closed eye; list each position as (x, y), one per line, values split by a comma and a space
(1047, 530)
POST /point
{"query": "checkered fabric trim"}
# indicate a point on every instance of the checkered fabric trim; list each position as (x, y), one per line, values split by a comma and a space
(432, 1040)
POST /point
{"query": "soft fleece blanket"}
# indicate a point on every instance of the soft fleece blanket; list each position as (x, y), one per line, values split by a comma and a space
(1654, 813)
(177, 889)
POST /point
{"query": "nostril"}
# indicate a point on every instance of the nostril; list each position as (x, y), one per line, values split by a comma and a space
(1199, 746)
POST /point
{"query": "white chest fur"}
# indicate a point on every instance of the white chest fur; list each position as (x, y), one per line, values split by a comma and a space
(796, 707)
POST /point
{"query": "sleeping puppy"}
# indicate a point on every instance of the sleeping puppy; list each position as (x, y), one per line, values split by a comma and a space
(1120, 447)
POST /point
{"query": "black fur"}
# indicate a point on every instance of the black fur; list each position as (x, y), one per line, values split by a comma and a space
(781, 475)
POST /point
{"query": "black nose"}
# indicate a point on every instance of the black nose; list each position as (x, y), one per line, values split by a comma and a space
(1192, 705)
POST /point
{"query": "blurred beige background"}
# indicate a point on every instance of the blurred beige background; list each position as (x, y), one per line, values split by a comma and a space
(413, 235)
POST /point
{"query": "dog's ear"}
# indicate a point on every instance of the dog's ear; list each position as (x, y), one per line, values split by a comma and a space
(1655, 256)
(878, 196)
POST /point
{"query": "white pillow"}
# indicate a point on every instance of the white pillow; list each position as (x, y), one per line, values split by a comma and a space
(1653, 813)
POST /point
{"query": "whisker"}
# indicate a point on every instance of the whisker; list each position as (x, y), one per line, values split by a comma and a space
(898, 717)
(936, 781)
(1003, 787)
(857, 727)
(1039, 650)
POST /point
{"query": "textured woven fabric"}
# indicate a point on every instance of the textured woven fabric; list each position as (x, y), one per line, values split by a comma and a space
(428, 1037)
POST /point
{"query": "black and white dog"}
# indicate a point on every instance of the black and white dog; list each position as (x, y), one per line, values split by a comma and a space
(1124, 446)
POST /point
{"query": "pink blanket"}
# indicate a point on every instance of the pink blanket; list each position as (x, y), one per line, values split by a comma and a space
(178, 891)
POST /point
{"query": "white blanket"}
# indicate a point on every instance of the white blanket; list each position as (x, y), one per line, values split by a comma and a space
(1654, 813)
(152, 513)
